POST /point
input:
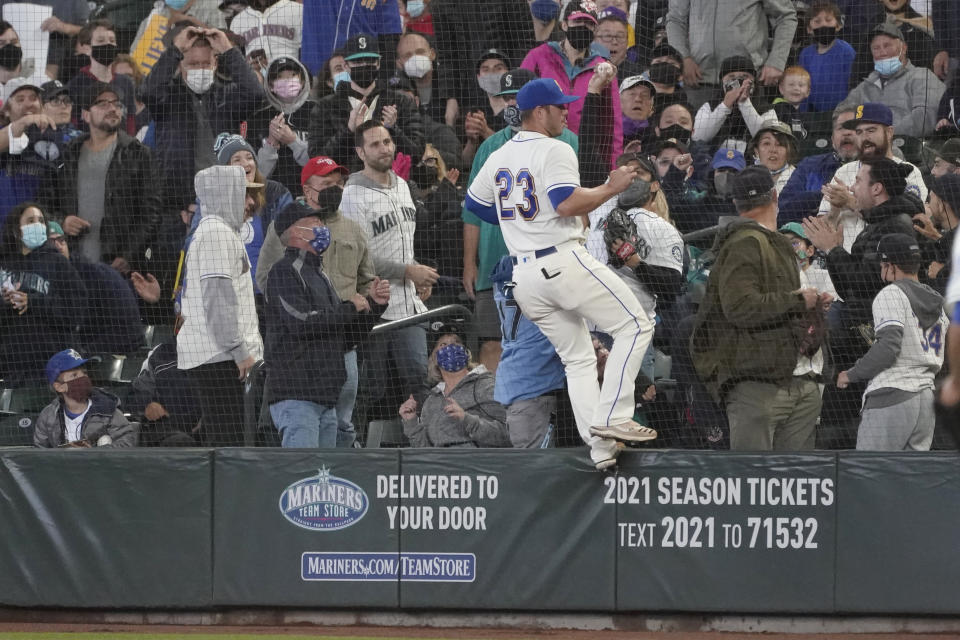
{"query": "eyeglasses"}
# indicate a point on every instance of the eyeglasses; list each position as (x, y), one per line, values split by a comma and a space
(103, 104)
(63, 101)
(610, 37)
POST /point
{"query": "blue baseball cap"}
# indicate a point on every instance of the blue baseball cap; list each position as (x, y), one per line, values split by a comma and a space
(729, 158)
(542, 92)
(64, 361)
(873, 112)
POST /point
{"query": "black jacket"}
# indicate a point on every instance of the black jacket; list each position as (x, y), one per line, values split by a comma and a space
(235, 95)
(329, 135)
(856, 275)
(308, 330)
(132, 204)
(56, 304)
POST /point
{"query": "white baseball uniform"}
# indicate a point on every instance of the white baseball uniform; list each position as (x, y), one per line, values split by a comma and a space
(658, 244)
(559, 284)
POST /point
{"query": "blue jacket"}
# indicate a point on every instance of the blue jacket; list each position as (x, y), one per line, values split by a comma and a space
(801, 197)
(529, 366)
(329, 24)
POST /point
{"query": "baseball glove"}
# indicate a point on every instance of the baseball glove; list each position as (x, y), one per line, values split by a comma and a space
(619, 226)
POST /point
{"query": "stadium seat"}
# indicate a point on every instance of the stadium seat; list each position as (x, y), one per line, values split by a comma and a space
(386, 433)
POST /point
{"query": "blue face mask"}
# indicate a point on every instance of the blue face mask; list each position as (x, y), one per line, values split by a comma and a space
(343, 76)
(320, 240)
(415, 8)
(888, 66)
(34, 235)
(452, 358)
(545, 10)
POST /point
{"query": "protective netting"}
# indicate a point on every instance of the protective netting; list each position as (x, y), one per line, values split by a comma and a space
(213, 205)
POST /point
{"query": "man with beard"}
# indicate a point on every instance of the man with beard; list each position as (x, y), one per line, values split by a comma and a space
(106, 190)
(802, 195)
(337, 116)
(873, 124)
(102, 50)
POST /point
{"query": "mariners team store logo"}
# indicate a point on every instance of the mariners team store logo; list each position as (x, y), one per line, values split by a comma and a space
(324, 502)
(350, 566)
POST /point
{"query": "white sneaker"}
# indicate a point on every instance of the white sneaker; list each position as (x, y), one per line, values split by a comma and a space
(628, 431)
(605, 460)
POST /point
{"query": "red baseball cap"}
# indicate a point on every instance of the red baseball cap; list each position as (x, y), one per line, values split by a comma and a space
(321, 166)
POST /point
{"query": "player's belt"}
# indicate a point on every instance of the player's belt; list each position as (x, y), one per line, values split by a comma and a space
(539, 253)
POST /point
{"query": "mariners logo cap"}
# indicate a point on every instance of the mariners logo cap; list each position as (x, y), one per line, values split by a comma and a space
(361, 46)
(872, 112)
(512, 81)
(542, 92)
(321, 166)
(64, 361)
(729, 158)
(493, 54)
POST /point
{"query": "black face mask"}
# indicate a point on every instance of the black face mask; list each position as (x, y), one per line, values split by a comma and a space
(824, 35)
(580, 37)
(364, 75)
(424, 175)
(664, 73)
(10, 56)
(328, 201)
(676, 132)
(105, 54)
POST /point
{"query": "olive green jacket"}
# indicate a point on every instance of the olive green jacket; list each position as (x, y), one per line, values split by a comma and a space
(743, 329)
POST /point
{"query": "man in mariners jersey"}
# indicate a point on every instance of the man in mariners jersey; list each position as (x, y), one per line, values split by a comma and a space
(380, 202)
(910, 327)
(531, 188)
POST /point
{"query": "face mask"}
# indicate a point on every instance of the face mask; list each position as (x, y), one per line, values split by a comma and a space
(452, 358)
(287, 87)
(511, 116)
(887, 66)
(676, 132)
(721, 182)
(321, 239)
(343, 76)
(415, 8)
(417, 66)
(424, 175)
(545, 10)
(79, 389)
(579, 37)
(636, 195)
(10, 56)
(802, 256)
(328, 200)
(105, 54)
(364, 75)
(824, 35)
(490, 82)
(199, 80)
(33, 235)
(664, 73)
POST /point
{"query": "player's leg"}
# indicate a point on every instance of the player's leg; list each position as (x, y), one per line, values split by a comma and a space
(535, 293)
(607, 302)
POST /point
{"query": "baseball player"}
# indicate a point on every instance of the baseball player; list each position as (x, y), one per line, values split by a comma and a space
(531, 188)
(911, 328)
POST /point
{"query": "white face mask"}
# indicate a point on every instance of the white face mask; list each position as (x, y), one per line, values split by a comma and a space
(490, 82)
(199, 80)
(417, 66)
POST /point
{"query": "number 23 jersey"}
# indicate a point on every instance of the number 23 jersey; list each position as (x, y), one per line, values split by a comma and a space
(922, 348)
(523, 179)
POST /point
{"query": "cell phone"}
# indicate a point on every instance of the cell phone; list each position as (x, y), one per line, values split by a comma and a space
(730, 85)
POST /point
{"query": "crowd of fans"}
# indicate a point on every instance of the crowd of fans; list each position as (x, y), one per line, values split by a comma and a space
(280, 177)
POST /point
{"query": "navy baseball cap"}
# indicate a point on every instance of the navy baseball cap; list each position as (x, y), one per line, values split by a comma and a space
(512, 81)
(897, 248)
(542, 92)
(64, 361)
(873, 112)
(361, 46)
(729, 158)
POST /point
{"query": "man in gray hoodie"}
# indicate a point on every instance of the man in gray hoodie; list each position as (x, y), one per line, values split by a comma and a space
(910, 327)
(219, 340)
